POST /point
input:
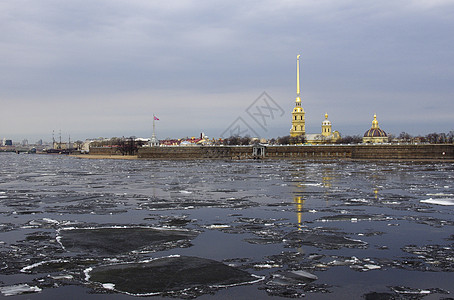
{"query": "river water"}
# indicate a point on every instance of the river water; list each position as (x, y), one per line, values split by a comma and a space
(72, 228)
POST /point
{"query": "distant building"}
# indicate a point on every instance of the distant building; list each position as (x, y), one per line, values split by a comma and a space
(60, 146)
(7, 142)
(326, 137)
(375, 134)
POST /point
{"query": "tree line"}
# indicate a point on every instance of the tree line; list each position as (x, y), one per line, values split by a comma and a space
(403, 137)
(130, 145)
(126, 146)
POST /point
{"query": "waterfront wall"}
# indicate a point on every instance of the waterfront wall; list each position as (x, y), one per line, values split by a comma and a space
(104, 151)
(432, 152)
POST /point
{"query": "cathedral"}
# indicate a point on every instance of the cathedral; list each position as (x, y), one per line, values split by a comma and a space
(375, 134)
(298, 119)
(327, 136)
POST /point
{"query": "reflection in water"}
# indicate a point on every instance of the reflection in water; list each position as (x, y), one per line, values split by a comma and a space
(299, 176)
(299, 200)
(327, 178)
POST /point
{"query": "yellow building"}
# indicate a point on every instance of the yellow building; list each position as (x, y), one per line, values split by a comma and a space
(375, 134)
(328, 136)
(298, 119)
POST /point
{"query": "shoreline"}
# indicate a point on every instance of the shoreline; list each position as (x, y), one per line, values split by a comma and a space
(102, 156)
(135, 157)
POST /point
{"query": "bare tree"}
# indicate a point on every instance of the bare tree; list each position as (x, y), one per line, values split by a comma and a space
(284, 140)
(348, 139)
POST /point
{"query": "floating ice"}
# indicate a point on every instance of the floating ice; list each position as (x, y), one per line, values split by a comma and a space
(117, 240)
(304, 274)
(48, 220)
(109, 286)
(267, 266)
(18, 289)
(445, 201)
(322, 240)
(371, 267)
(30, 267)
(169, 274)
(292, 278)
(217, 226)
(409, 291)
(352, 218)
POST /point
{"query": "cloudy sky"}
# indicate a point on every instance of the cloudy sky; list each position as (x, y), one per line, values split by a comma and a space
(94, 68)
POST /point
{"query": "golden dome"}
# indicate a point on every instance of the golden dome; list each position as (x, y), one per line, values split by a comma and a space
(326, 122)
(375, 131)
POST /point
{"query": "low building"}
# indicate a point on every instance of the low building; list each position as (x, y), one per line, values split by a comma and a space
(375, 135)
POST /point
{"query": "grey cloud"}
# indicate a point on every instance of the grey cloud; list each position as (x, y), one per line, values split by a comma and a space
(353, 53)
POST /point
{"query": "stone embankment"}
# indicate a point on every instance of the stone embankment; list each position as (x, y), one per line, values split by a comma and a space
(410, 151)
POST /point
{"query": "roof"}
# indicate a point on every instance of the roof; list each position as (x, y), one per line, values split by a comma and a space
(375, 132)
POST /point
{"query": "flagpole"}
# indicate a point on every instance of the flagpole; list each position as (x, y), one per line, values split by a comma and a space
(154, 133)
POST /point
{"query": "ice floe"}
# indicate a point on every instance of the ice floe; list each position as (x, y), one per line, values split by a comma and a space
(445, 201)
(19, 289)
(171, 274)
(118, 240)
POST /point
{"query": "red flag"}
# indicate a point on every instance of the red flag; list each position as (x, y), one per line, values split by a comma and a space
(156, 118)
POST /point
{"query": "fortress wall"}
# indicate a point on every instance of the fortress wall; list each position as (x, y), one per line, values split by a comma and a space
(104, 151)
(328, 151)
(196, 152)
(432, 152)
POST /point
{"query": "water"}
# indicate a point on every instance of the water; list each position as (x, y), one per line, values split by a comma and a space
(364, 229)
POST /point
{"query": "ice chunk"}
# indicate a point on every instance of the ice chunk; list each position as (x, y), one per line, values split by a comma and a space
(18, 289)
(108, 286)
(445, 201)
(305, 274)
(217, 226)
(371, 267)
(169, 274)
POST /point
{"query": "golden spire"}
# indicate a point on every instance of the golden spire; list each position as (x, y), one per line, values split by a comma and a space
(298, 99)
(375, 122)
(298, 123)
(298, 75)
(326, 116)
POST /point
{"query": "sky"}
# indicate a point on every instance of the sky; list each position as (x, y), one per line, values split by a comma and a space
(103, 68)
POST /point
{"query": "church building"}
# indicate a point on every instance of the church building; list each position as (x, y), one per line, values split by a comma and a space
(328, 136)
(375, 134)
(299, 123)
(298, 119)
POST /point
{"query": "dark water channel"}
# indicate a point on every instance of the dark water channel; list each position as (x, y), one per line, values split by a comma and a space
(117, 229)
